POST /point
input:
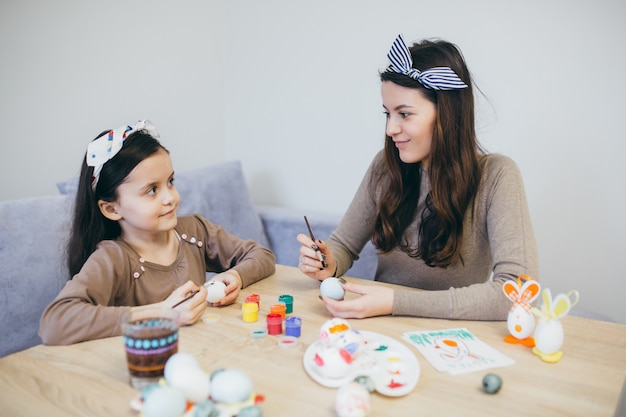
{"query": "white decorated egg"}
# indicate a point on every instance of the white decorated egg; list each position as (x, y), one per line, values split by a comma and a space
(216, 290)
(164, 401)
(352, 400)
(520, 322)
(332, 362)
(332, 330)
(179, 360)
(351, 341)
(548, 336)
(331, 288)
(193, 382)
(231, 386)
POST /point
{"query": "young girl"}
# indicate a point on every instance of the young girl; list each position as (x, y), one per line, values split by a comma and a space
(443, 215)
(128, 248)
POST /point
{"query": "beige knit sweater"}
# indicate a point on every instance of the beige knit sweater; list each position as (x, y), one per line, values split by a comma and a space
(499, 239)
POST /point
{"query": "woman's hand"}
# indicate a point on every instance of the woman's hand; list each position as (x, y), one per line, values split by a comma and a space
(309, 262)
(189, 311)
(373, 301)
(233, 282)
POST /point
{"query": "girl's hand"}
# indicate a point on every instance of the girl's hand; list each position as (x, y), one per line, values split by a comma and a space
(373, 301)
(233, 282)
(191, 310)
(309, 262)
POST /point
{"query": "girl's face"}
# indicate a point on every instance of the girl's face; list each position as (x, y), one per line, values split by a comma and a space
(410, 121)
(147, 199)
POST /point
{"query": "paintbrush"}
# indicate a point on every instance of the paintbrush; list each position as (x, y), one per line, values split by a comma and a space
(191, 294)
(315, 247)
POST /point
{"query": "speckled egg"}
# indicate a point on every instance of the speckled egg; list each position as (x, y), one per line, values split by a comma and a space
(492, 383)
(206, 408)
(250, 411)
(231, 386)
(331, 288)
(216, 290)
(367, 382)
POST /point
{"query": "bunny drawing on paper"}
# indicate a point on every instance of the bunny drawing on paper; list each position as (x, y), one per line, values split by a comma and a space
(549, 332)
(521, 321)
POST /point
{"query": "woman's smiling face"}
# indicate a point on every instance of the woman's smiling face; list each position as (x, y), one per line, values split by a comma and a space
(410, 121)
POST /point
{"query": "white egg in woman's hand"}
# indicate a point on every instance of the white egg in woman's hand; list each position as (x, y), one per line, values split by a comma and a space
(216, 290)
(331, 288)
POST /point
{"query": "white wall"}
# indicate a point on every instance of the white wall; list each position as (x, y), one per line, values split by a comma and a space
(291, 89)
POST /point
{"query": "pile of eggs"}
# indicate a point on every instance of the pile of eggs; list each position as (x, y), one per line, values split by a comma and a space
(186, 387)
(340, 346)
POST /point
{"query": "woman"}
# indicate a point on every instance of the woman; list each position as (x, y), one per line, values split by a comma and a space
(442, 214)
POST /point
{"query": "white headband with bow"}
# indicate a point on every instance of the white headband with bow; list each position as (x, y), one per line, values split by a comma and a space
(108, 145)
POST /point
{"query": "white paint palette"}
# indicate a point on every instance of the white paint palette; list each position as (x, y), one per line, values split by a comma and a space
(392, 367)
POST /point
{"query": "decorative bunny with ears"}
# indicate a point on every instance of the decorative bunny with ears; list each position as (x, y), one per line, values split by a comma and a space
(549, 332)
(520, 321)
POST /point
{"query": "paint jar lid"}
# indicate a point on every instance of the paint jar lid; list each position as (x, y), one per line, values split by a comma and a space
(253, 298)
(286, 298)
(258, 333)
(279, 308)
(293, 321)
(287, 341)
(211, 318)
(250, 307)
(274, 318)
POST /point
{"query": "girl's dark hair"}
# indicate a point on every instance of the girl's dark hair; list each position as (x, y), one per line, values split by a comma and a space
(89, 226)
(453, 170)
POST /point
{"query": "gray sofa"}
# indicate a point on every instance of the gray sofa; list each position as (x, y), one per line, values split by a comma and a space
(33, 233)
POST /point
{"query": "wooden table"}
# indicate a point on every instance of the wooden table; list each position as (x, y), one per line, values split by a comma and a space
(91, 379)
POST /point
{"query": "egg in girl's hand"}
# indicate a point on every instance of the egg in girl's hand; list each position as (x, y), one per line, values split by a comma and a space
(230, 386)
(216, 290)
(164, 401)
(331, 288)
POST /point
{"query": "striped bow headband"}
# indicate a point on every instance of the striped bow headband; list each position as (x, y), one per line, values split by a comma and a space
(108, 145)
(437, 78)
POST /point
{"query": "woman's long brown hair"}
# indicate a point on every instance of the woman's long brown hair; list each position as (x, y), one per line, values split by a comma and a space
(453, 170)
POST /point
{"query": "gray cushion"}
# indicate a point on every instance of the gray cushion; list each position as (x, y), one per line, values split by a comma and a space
(33, 234)
(282, 225)
(218, 192)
